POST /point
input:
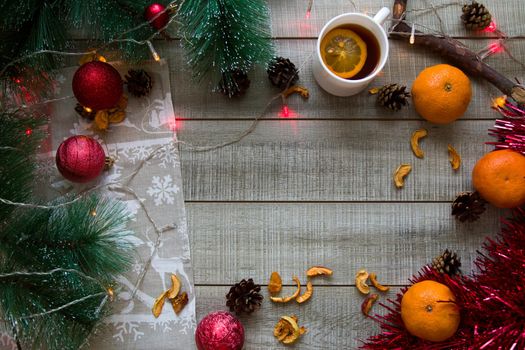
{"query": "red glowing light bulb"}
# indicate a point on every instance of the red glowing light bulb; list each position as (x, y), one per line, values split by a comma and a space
(496, 47)
(29, 131)
(285, 111)
(491, 28)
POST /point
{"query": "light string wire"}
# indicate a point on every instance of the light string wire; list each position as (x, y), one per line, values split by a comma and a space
(113, 186)
(118, 186)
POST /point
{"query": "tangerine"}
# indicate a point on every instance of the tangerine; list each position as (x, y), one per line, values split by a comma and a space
(343, 52)
(429, 311)
(441, 93)
(499, 177)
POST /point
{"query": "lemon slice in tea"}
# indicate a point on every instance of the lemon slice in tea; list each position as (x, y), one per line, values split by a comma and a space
(343, 52)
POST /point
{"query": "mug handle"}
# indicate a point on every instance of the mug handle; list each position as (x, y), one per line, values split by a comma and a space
(381, 16)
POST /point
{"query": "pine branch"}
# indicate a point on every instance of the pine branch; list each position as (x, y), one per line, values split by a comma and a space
(17, 150)
(88, 236)
(85, 245)
(31, 26)
(224, 36)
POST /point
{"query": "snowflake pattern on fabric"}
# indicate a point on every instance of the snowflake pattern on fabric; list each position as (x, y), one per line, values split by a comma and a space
(46, 169)
(162, 190)
(144, 141)
(128, 328)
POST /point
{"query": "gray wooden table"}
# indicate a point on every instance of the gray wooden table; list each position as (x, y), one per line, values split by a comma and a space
(316, 188)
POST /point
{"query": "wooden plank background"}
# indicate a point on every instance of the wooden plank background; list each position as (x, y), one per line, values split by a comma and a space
(316, 188)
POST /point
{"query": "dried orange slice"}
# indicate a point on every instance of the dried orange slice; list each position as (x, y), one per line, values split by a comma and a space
(343, 52)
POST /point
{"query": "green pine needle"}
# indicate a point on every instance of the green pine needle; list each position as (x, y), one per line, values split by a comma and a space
(17, 151)
(34, 25)
(222, 36)
(87, 237)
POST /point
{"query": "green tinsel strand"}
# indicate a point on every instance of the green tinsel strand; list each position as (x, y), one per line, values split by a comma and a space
(88, 236)
(222, 36)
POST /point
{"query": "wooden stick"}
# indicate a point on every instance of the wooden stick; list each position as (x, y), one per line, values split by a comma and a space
(457, 53)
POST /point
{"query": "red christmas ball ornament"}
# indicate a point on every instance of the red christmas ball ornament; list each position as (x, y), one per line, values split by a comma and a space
(80, 158)
(97, 85)
(152, 11)
(219, 331)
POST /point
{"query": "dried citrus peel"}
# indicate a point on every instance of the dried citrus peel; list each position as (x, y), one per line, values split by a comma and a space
(399, 175)
(368, 303)
(104, 117)
(276, 283)
(307, 295)
(414, 142)
(360, 281)
(377, 285)
(318, 271)
(159, 304)
(454, 157)
(175, 287)
(296, 89)
(291, 297)
(178, 301)
(287, 330)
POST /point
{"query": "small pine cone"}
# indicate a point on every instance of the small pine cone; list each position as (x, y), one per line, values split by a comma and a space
(393, 96)
(282, 72)
(476, 16)
(85, 113)
(468, 206)
(139, 82)
(244, 297)
(234, 84)
(448, 263)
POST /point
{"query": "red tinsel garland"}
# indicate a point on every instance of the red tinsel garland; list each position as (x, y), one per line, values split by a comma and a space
(491, 301)
(509, 130)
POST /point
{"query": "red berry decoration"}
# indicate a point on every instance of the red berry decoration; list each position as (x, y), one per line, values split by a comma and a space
(97, 85)
(152, 11)
(219, 330)
(80, 158)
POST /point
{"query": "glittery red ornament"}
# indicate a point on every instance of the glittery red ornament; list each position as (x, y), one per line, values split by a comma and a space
(152, 11)
(97, 85)
(219, 331)
(80, 158)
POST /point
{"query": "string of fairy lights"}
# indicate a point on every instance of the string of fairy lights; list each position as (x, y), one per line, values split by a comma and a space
(492, 48)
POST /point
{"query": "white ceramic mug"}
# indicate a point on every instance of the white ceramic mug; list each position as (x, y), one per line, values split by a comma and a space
(347, 87)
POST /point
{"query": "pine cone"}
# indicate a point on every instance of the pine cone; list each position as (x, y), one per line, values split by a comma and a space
(88, 114)
(139, 82)
(468, 206)
(282, 72)
(234, 84)
(244, 297)
(448, 263)
(393, 96)
(476, 16)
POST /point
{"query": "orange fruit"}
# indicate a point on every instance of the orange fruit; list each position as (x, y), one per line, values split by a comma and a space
(499, 177)
(343, 52)
(429, 312)
(441, 93)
